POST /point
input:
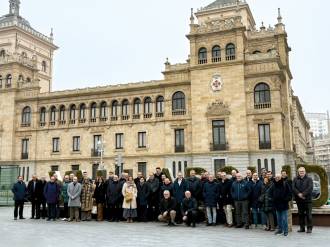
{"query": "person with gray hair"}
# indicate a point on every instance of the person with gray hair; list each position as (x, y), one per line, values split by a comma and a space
(74, 203)
(167, 208)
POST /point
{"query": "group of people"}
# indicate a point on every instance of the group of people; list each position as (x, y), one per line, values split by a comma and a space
(254, 200)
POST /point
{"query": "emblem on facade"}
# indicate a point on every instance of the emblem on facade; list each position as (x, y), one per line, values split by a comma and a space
(216, 83)
(217, 108)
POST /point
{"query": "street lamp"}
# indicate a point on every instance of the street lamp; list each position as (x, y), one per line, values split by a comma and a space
(100, 150)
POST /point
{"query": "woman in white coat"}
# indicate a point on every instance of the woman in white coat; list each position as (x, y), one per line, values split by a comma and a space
(129, 192)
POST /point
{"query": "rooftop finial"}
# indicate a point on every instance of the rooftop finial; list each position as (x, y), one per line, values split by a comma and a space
(14, 7)
(192, 18)
(51, 33)
(279, 18)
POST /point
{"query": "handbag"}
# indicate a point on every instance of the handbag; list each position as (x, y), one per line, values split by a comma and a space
(128, 196)
(94, 210)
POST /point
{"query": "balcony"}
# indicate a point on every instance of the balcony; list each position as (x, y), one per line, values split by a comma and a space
(230, 57)
(62, 122)
(103, 119)
(114, 118)
(52, 123)
(179, 112)
(95, 153)
(179, 149)
(82, 120)
(219, 147)
(202, 61)
(265, 145)
(24, 156)
(216, 59)
(147, 115)
(42, 124)
(72, 121)
(262, 105)
(93, 120)
(24, 125)
(136, 116)
(159, 114)
(125, 118)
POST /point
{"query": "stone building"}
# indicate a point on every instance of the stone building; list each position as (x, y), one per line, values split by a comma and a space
(231, 103)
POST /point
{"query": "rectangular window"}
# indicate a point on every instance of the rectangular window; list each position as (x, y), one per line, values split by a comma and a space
(142, 139)
(264, 136)
(119, 141)
(142, 167)
(75, 168)
(56, 145)
(179, 140)
(219, 135)
(218, 165)
(76, 144)
(25, 149)
(96, 140)
(54, 168)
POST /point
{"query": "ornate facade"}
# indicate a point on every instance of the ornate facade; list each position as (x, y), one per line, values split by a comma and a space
(231, 103)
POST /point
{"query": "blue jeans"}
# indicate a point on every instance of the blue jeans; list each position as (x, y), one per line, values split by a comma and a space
(282, 220)
(211, 215)
(257, 214)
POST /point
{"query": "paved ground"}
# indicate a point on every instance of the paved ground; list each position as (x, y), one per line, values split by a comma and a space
(37, 233)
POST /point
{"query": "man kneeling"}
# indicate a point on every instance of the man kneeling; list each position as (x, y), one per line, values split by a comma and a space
(167, 208)
(189, 209)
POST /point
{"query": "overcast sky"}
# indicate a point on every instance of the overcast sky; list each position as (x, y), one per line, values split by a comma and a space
(115, 41)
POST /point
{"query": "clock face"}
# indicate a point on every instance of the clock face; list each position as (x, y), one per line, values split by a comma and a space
(216, 83)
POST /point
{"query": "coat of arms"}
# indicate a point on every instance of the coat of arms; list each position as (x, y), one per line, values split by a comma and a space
(216, 83)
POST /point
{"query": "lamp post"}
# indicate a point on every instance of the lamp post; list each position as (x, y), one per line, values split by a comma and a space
(100, 150)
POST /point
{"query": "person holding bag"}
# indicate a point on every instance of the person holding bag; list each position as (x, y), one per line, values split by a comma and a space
(129, 192)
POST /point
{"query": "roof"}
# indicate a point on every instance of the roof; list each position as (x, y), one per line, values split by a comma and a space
(11, 18)
(218, 4)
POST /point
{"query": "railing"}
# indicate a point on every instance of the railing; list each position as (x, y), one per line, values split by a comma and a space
(72, 121)
(18, 58)
(103, 119)
(24, 156)
(159, 114)
(6, 198)
(265, 145)
(62, 122)
(230, 57)
(114, 118)
(262, 105)
(42, 124)
(52, 123)
(202, 61)
(179, 112)
(219, 147)
(126, 117)
(216, 59)
(147, 115)
(93, 120)
(83, 120)
(95, 153)
(25, 125)
(136, 116)
(179, 149)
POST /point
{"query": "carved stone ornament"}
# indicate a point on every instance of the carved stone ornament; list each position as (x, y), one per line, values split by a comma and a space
(217, 108)
(216, 83)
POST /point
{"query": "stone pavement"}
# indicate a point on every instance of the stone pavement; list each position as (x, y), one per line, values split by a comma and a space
(25, 233)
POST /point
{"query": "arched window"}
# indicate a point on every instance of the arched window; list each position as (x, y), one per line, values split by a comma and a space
(137, 106)
(73, 113)
(26, 116)
(259, 167)
(24, 55)
(82, 113)
(8, 80)
(52, 115)
(43, 66)
(62, 114)
(114, 109)
(266, 164)
(202, 55)
(0, 81)
(216, 54)
(178, 103)
(125, 108)
(104, 111)
(2, 54)
(256, 52)
(28, 79)
(20, 78)
(160, 104)
(42, 117)
(262, 96)
(272, 162)
(93, 112)
(147, 105)
(230, 52)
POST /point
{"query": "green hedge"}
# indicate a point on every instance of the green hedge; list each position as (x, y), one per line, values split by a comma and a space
(101, 173)
(51, 173)
(67, 173)
(319, 170)
(167, 174)
(198, 171)
(228, 169)
(253, 169)
(79, 175)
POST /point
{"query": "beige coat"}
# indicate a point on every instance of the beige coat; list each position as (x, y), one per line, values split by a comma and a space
(132, 189)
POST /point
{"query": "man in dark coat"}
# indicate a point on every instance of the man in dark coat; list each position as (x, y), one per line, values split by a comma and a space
(153, 200)
(158, 175)
(195, 186)
(42, 200)
(189, 209)
(282, 194)
(211, 195)
(256, 186)
(168, 185)
(137, 179)
(114, 199)
(33, 197)
(302, 188)
(240, 192)
(142, 199)
(51, 193)
(225, 199)
(19, 190)
(167, 208)
(179, 188)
